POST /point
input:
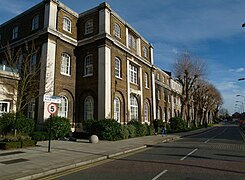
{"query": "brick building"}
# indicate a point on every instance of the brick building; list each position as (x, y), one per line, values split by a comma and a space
(99, 64)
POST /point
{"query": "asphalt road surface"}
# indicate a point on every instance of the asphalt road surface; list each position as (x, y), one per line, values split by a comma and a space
(216, 154)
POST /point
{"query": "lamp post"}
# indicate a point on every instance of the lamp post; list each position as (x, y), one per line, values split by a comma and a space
(241, 79)
(241, 106)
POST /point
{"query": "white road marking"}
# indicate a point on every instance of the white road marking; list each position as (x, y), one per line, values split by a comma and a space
(215, 136)
(189, 154)
(160, 174)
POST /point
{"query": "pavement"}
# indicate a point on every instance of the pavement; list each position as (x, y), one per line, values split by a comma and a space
(37, 162)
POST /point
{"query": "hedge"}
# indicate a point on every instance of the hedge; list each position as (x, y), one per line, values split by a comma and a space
(18, 144)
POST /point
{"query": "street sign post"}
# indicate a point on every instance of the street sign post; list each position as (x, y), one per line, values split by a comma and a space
(51, 99)
(52, 109)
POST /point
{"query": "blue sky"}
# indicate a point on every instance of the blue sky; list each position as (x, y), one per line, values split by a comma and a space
(209, 29)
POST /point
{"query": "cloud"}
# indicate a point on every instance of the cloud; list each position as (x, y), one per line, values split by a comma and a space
(238, 70)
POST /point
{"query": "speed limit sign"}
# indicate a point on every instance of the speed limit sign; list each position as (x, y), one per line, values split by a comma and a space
(52, 108)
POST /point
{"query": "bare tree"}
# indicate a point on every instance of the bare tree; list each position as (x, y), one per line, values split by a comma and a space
(188, 69)
(23, 63)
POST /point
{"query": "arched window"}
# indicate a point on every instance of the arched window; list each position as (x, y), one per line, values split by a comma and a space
(146, 112)
(117, 67)
(88, 65)
(67, 24)
(88, 108)
(65, 67)
(133, 108)
(117, 30)
(63, 107)
(89, 26)
(35, 22)
(117, 109)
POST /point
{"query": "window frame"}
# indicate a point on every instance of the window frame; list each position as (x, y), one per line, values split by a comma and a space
(133, 74)
(146, 80)
(67, 24)
(89, 27)
(145, 52)
(65, 66)
(31, 109)
(33, 62)
(15, 32)
(117, 109)
(35, 22)
(7, 107)
(117, 30)
(88, 65)
(146, 112)
(134, 108)
(88, 108)
(131, 41)
(63, 105)
(117, 67)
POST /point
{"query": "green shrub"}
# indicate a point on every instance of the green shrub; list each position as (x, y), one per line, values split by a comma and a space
(60, 126)
(150, 129)
(177, 124)
(124, 132)
(7, 121)
(131, 130)
(40, 136)
(18, 144)
(105, 129)
(141, 129)
(10, 121)
(25, 125)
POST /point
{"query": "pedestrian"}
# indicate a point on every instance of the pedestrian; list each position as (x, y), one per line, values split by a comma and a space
(164, 130)
(155, 125)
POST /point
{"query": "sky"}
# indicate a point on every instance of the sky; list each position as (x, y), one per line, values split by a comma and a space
(209, 29)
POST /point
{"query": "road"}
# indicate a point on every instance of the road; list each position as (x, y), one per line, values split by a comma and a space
(215, 154)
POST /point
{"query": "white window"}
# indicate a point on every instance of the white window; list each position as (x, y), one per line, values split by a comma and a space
(117, 31)
(133, 108)
(31, 109)
(117, 67)
(35, 22)
(133, 74)
(117, 109)
(89, 108)
(65, 67)
(63, 107)
(4, 107)
(15, 32)
(131, 41)
(146, 112)
(33, 62)
(146, 81)
(89, 27)
(88, 65)
(145, 51)
(66, 24)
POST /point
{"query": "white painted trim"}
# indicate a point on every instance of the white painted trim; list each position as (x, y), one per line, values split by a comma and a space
(141, 96)
(128, 90)
(126, 37)
(152, 57)
(50, 16)
(104, 82)
(47, 76)
(104, 21)
(154, 95)
(138, 47)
